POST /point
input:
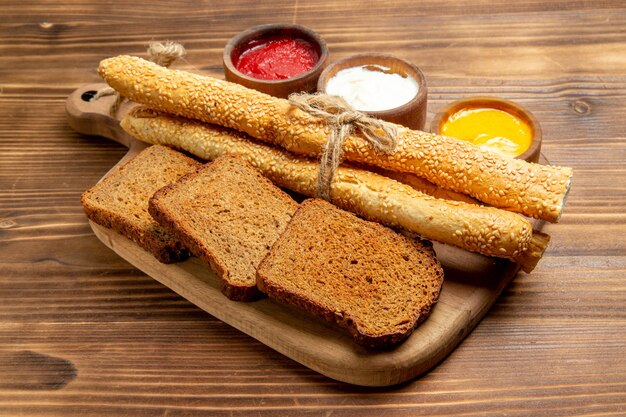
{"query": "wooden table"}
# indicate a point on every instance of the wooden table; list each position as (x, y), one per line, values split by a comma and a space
(84, 333)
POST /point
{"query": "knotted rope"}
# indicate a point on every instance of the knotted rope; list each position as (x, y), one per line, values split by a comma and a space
(163, 54)
(342, 119)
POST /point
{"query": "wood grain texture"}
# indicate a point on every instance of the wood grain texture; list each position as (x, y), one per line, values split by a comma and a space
(553, 345)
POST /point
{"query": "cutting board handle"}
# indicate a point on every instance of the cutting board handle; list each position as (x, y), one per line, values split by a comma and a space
(93, 117)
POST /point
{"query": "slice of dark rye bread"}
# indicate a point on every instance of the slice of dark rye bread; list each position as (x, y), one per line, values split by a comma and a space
(120, 201)
(229, 215)
(365, 277)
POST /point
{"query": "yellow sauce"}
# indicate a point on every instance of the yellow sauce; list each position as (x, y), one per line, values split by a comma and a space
(491, 129)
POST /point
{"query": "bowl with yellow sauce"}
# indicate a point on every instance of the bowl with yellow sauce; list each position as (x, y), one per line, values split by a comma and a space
(498, 125)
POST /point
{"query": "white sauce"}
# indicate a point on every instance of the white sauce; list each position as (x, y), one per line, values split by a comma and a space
(372, 90)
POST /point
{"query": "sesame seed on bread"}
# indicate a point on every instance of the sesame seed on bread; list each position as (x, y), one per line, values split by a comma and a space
(120, 200)
(365, 277)
(229, 215)
(534, 190)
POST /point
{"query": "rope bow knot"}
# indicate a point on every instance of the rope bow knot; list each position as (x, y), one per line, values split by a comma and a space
(342, 119)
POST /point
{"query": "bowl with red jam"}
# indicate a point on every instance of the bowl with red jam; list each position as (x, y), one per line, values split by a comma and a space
(277, 59)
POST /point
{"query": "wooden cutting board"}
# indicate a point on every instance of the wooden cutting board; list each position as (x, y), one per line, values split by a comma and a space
(472, 284)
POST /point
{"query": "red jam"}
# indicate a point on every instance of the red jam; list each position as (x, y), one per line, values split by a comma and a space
(277, 58)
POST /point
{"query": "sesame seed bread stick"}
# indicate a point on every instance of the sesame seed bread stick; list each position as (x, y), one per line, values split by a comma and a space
(485, 230)
(423, 185)
(534, 190)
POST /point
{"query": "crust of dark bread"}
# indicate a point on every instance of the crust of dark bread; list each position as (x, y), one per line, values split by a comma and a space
(192, 239)
(153, 238)
(168, 252)
(170, 221)
(272, 281)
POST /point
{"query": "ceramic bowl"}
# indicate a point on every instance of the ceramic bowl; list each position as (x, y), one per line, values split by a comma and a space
(305, 82)
(411, 114)
(531, 154)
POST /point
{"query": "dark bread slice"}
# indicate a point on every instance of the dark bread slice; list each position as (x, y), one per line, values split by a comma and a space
(229, 215)
(120, 201)
(365, 277)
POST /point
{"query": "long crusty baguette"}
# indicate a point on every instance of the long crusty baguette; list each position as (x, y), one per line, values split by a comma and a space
(480, 229)
(424, 186)
(534, 190)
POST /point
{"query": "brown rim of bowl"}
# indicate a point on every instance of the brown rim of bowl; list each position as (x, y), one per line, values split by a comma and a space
(370, 58)
(266, 31)
(531, 154)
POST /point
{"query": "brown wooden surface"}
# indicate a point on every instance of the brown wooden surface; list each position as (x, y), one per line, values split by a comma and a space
(82, 332)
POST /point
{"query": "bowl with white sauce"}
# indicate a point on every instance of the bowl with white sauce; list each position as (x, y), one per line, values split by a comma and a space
(382, 86)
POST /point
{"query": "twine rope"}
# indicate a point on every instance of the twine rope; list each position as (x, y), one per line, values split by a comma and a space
(342, 120)
(163, 54)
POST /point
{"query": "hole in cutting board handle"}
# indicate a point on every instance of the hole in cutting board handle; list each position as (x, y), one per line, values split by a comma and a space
(88, 95)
